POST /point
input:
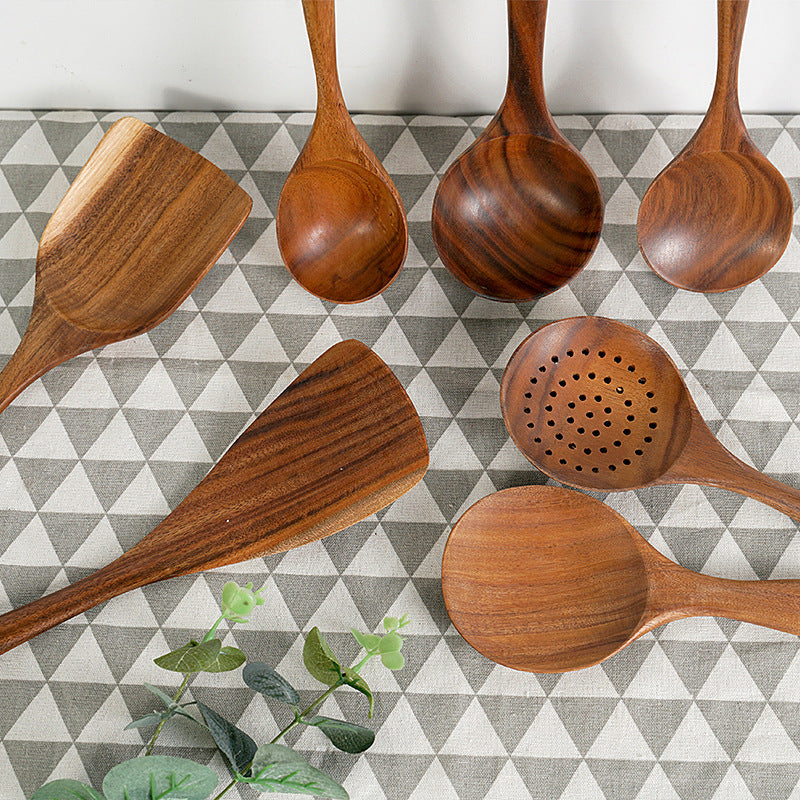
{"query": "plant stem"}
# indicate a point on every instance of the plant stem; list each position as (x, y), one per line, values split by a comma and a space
(178, 695)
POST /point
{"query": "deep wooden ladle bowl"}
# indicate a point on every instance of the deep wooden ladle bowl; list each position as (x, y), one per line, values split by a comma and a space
(142, 223)
(720, 214)
(598, 405)
(544, 579)
(519, 213)
(341, 227)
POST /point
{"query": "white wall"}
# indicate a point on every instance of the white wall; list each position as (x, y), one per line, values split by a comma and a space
(423, 56)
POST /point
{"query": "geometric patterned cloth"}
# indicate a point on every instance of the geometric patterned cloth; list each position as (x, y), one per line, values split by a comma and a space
(99, 450)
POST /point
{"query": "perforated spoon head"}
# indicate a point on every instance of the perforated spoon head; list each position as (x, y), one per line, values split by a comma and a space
(596, 404)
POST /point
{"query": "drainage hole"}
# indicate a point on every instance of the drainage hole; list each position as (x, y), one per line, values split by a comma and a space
(626, 462)
(581, 430)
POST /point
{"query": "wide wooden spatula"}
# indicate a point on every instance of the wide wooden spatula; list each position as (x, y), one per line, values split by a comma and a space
(142, 223)
(341, 442)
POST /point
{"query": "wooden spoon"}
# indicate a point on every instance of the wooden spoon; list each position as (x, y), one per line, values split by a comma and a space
(720, 214)
(341, 227)
(596, 404)
(520, 212)
(544, 579)
(341, 442)
(143, 222)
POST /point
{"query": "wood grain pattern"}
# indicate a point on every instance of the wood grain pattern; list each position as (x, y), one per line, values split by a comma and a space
(520, 212)
(596, 404)
(341, 226)
(142, 223)
(544, 579)
(720, 214)
(341, 442)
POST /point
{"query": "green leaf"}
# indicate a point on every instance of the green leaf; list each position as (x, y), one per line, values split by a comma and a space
(234, 744)
(149, 720)
(192, 657)
(277, 768)
(227, 659)
(391, 643)
(262, 678)
(391, 623)
(393, 661)
(168, 701)
(369, 641)
(159, 778)
(320, 660)
(66, 790)
(344, 735)
(352, 678)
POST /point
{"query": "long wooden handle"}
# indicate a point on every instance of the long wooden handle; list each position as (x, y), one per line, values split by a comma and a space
(320, 16)
(723, 126)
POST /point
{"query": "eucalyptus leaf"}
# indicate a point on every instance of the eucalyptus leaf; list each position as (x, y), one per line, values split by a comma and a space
(159, 778)
(320, 660)
(369, 641)
(149, 720)
(263, 679)
(345, 735)
(168, 701)
(234, 744)
(277, 768)
(352, 678)
(227, 659)
(192, 657)
(66, 790)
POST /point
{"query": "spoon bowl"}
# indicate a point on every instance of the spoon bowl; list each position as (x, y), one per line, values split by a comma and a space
(544, 579)
(598, 405)
(719, 215)
(536, 196)
(358, 248)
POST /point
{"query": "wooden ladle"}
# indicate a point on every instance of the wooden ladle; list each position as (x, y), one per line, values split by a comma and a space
(341, 226)
(519, 213)
(341, 442)
(720, 214)
(143, 222)
(598, 405)
(544, 579)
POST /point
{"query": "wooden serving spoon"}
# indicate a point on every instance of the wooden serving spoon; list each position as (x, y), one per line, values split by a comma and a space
(143, 222)
(341, 442)
(341, 226)
(519, 213)
(720, 214)
(544, 579)
(598, 405)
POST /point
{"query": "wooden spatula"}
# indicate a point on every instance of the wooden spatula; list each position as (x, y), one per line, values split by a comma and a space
(341, 442)
(142, 223)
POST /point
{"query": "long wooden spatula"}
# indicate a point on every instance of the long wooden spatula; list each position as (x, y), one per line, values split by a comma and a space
(341, 442)
(141, 225)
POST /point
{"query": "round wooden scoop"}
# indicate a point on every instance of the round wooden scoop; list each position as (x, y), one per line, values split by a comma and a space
(341, 227)
(544, 579)
(720, 214)
(143, 222)
(341, 442)
(596, 404)
(519, 213)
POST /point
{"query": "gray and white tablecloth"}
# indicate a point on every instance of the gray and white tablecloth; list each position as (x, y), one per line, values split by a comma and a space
(99, 450)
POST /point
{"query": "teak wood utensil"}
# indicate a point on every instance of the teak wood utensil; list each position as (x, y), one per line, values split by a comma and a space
(341, 442)
(596, 404)
(143, 222)
(544, 579)
(720, 214)
(341, 227)
(519, 213)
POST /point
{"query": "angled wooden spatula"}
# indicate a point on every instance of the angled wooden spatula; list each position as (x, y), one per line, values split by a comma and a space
(341, 442)
(143, 222)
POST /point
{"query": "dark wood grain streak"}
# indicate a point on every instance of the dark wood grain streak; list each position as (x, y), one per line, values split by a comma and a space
(598, 405)
(341, 226)
(341, 442)
(544, 579)
(519, 213)
(719, 215)
(140, 226)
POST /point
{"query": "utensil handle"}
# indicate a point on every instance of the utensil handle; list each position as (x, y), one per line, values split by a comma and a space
(524, 109)
(30, 620)
(320, 16)
(723, 125)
